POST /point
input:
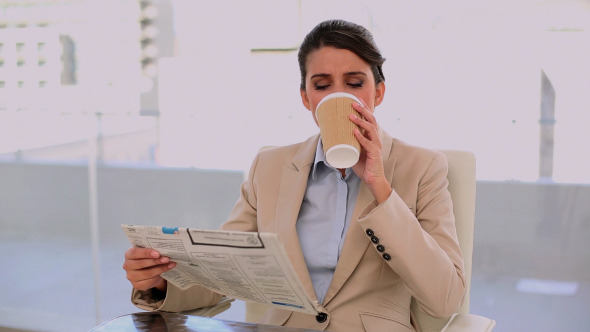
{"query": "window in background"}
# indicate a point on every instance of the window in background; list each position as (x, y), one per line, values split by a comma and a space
(165, 145)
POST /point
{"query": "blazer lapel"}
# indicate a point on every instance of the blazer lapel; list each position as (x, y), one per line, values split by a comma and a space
(291, 192)
(354, 248)
(357, 241)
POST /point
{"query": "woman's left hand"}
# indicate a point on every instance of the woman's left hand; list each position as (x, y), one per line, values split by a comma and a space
(370, 165)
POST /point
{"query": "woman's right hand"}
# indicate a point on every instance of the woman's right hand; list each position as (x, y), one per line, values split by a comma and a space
(144, 267)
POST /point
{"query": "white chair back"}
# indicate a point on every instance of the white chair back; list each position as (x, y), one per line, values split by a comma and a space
(461, 178)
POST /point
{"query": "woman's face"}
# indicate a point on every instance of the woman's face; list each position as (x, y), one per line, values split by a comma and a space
(332, 70)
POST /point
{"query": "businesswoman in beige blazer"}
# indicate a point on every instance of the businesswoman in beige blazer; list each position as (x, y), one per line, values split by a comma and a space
(364, 240)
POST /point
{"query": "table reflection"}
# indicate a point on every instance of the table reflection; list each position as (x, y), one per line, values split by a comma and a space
(162, 321)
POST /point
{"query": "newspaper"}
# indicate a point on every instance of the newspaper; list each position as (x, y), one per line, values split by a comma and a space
(248, 266)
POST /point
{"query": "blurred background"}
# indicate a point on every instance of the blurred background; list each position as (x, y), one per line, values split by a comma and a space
(151, 111)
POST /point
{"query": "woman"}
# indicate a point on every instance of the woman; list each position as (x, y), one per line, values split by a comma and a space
(364, 240)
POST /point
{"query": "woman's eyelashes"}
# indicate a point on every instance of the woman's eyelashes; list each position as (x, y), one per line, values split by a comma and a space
(355, 85)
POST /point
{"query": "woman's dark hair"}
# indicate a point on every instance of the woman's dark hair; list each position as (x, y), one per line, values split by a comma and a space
(344, 35)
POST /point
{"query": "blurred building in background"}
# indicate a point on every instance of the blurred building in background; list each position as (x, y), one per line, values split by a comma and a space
(157, 41)
(84, 44)
(76, 58)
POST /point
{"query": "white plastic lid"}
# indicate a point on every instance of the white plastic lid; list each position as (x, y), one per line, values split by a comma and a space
(342, 156)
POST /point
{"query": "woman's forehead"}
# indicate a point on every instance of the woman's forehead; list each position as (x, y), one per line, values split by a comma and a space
(329, 58)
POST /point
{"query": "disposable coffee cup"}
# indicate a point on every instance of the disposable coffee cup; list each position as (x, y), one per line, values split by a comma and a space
(341, 148)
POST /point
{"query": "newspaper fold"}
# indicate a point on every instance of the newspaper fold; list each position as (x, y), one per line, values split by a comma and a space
(248, 266)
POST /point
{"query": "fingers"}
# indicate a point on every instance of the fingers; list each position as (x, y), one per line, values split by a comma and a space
(366, 122)
(365, 112)
(137, 253)
(144, 267)
(363, 104)
(144, 285)
(146, 278)
(364, 142)
(141, 258)
(143, 263)
(368, 132)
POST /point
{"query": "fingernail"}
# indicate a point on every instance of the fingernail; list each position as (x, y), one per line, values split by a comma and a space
(353, 116)
(165, 260)
(155, 254)
(171, 265)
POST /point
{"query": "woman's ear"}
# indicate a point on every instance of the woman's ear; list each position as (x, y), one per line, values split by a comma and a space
(304, 99)
(379, 93)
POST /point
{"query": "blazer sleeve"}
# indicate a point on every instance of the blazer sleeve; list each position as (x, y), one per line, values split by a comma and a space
(242, 218)
(176, 300)
(422, 244)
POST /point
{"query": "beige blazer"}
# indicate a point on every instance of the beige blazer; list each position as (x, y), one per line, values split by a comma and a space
(372, 286)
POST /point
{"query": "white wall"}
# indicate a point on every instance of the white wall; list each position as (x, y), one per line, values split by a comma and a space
(458, 76)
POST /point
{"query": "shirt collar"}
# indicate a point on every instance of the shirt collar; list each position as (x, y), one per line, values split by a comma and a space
(320, 157)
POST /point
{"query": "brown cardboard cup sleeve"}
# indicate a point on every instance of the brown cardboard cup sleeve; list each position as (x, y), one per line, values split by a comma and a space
(341, 148)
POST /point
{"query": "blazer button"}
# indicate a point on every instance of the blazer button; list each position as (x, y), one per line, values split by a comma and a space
(386, 256)
(374, 239)
(321, 317)
(369, 232)
(380, 248)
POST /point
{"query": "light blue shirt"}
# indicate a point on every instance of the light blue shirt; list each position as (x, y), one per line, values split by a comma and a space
(324, 218)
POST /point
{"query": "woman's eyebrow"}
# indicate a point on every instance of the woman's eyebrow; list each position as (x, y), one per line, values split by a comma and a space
(354, 73)
(319, 75)
(350, 73)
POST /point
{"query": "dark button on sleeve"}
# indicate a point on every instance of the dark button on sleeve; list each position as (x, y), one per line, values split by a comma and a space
(321, 317)
(386, 256)
(374, 239)
(380, 248)
(369, 232)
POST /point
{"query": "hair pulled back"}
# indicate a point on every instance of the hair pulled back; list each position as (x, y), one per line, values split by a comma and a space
(343, 35)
